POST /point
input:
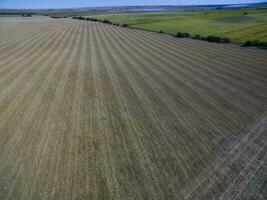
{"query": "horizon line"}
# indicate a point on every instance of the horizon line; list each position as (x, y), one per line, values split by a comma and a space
(176, 5)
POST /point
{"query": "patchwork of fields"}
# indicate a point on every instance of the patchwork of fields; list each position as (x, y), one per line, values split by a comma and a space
(95, 111)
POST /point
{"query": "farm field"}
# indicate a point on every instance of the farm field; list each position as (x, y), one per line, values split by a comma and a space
(94, 111)
(233, 24)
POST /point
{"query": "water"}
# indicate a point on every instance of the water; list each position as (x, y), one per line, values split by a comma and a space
(236, 6)
(150, 9)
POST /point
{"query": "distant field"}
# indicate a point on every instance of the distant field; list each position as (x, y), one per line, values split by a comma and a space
(95, 111)
(233, 24)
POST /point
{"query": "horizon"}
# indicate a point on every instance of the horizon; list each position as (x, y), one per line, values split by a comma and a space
(4, 4)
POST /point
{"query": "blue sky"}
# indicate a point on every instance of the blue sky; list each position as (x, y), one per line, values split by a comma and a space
(91, 3)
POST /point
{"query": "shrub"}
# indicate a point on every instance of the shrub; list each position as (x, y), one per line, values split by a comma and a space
(106, 21)
(161, 32)
(226, 40)
(92, 19)
(212, 38)
(55, 17)
(197, 37)
(125, 25)
(245, 13)
(182, 35)
(26, 15)
(80, 18)
(217, 39)
(248, 44)
(59, 17)
(255, 43)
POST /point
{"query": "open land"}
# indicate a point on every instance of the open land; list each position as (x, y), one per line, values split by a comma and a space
(94, 111)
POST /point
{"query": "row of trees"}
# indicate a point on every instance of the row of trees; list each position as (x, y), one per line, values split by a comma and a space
(27, 15)
(210, 38)
(255, 43)
(98, 20)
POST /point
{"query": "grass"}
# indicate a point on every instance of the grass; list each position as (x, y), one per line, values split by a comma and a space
(237, 25)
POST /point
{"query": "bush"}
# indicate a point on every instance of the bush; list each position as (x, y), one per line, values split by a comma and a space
(226, 40)
(92, 19)
(55, 17)
(197, 37)
(125, 25)
(182, 35)
(245, 13)
(161, 32)
(217, 39)
(255, 43)
(26, 15)
(106, 21)
(80, 18)
(248, 44)
(59, 17)
(212, 38)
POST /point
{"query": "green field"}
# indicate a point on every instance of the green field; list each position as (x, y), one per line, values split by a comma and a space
(234, 24)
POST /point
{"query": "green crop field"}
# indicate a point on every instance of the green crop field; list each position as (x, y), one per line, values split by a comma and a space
(238, 25)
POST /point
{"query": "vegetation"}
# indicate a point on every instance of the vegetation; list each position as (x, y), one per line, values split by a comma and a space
(197, 37)
(237, 25)
(22, 13)
(92, 19)
(256, 43)
(125, 25)
(209, 38)
(216, 39)
(182, 35)
(58, 17)
(27, 15)
(106, 21)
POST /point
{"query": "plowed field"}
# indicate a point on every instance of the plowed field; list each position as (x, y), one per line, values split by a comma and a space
(95, 111)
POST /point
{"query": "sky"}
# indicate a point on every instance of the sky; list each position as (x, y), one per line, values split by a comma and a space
(35, 4)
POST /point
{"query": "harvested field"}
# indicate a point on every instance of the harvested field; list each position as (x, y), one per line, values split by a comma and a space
(95, 111)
